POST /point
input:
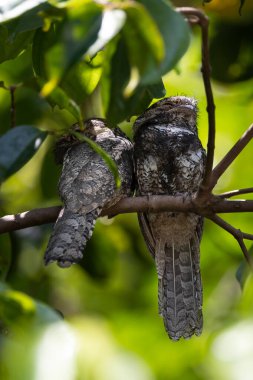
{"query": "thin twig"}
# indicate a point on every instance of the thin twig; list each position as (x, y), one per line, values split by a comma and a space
(238, 235)
(202, 20)
(231, 156)
(233, 193)
(13, 106)
(247, 236)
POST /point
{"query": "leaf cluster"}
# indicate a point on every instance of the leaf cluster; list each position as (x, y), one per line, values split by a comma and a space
(123, 46)
(87, 57)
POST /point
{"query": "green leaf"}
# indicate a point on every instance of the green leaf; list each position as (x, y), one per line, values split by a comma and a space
(116, 76)
(63, 101)
(106, 157)
(12, 46)
(66, 44)
(143, 40)
(83, 78)
(42, 42)
(175, 33)
(111, 23)
(79, 49)
(16, 34)
(132, 73)
(83, 34)
(17, 146)
(16, 306)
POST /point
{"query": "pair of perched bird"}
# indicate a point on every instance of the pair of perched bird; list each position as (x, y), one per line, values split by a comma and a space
(166, 158)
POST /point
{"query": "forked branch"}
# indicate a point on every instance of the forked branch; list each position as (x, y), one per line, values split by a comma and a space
(230, 156)
(211, 176)
(154, 203)
(238, 235)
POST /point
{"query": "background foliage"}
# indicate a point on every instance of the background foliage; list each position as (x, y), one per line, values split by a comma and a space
(51, 55)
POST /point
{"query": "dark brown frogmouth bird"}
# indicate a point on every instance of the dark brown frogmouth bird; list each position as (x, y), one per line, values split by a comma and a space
(86, 186)
(169, 159)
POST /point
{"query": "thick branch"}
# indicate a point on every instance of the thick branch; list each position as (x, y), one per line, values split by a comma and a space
(30, 218)
(196, 16)
(231, 156)
(155, 203)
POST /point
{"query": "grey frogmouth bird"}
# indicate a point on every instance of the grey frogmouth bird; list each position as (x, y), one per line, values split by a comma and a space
(169, 159)
(86, 186)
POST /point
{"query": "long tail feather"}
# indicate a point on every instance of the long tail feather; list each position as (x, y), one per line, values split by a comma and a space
(180, 291)
(70, 235)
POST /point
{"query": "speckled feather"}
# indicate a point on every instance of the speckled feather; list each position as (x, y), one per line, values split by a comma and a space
(169, 159)
(86, 186)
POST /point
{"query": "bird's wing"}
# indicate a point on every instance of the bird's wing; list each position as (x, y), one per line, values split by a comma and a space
(147, 233)
(86, 182)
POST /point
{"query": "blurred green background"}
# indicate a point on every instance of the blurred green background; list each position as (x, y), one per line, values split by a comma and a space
(111, 329)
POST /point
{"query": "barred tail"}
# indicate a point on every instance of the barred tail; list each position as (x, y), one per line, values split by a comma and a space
(70, 235)
(180, 289)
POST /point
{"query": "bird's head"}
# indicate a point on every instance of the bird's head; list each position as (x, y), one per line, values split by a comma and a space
(175, 109)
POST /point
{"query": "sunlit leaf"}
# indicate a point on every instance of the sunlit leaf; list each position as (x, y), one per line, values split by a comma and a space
(175, 33)
(14, 8)
(17, 146)
(133, 67)
(82, 47)
(83, 78)
(15, 305)
(106, 157)
(143, 40)
(85, 33)
(65, 44)
(114, 81)
(69, 3)
(112, 22)
(69, 41)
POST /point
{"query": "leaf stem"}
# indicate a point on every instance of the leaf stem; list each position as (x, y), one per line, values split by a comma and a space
(106, 157)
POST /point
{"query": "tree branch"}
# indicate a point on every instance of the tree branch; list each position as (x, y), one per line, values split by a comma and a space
(30, 218)
(196, 16)
(231, 156)
(238, 235)
(154, 203)
(233, 193)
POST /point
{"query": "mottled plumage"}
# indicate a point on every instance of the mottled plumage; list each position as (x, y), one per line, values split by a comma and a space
(86, 186)
(169, 159)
